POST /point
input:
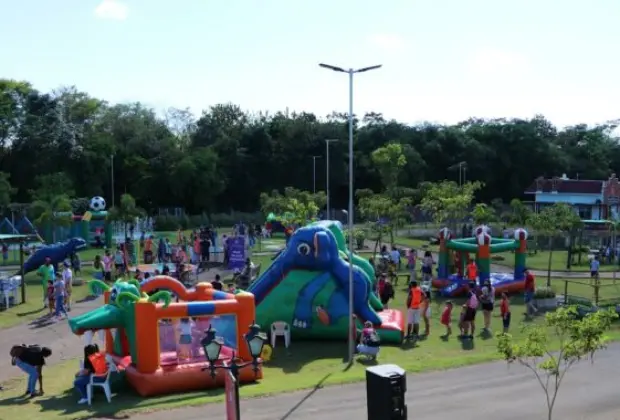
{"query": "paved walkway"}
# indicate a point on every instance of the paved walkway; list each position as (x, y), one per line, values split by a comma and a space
(470, 393)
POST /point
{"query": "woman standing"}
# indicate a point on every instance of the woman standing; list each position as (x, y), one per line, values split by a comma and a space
(487, 302)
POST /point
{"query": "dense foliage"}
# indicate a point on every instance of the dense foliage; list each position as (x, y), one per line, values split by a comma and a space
(226, 158)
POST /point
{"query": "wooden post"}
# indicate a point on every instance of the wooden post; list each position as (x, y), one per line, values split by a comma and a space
(565, 292)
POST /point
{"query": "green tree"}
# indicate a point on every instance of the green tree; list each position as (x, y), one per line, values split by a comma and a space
(52, 211)
(294, 207)
(519, 212)
(551, 349)
(448, 202)
(483, 214)
(6, 190)
(554, 221)
(50, 186)
(126, 211)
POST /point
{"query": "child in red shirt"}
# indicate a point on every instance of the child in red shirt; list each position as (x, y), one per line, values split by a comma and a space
(446, 318)
(504, 308)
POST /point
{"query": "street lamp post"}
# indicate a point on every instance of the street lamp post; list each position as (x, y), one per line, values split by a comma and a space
(212, 347)
(327, 141)
(350, 72)
(314, 158)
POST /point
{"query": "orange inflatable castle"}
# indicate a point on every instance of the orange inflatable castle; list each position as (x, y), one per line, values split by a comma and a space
(159, 343)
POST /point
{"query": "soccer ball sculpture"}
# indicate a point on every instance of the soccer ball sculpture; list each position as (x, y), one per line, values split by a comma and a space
(97, 204)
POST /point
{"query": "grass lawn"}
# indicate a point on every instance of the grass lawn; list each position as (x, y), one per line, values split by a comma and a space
(305, 365)
(33, 308)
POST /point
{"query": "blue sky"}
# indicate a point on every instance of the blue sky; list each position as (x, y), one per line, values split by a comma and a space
(443, 60)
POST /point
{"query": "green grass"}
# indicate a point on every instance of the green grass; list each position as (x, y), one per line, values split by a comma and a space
(33, 308)
(305, 365)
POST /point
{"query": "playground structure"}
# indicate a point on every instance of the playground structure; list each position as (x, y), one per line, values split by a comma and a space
(21, 226)
(307, 286)
(89, 226)
(482, 245)
(141, 334)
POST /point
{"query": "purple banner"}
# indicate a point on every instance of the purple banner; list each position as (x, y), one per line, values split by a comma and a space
(236, 252)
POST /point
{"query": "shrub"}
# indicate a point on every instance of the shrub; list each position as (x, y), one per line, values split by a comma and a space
(544, 293)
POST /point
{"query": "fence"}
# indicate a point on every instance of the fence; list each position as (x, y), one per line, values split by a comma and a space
(601, 292)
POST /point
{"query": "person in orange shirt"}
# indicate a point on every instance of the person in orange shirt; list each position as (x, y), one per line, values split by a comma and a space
(148, 250)
(94, 364)
(414, 301)
(472, 271)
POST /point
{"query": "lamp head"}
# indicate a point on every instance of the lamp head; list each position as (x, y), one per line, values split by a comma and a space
(256, 340)
(211, 345)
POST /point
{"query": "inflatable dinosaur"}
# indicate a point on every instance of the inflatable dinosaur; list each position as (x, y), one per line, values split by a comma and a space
(57, 253)
(116, 315)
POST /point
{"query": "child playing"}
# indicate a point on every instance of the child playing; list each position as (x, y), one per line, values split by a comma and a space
(446, 318)
(504, 308)
(76, 263)
(50, 296)
(369, 341)
(185, 338)
(67, 277)
(462, 319)
(425, 311)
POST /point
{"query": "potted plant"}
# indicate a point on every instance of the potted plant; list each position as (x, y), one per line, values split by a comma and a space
(545, 298)
(360, 238)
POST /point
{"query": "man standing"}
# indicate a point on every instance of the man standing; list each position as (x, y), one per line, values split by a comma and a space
(528, 293)
(414, 300)
(46, 272)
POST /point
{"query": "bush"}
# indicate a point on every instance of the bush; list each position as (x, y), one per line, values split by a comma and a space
(544, 293)
(360, 238)
(219, 220)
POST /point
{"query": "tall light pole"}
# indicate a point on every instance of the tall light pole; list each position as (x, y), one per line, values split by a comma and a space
(112, 177)
(327, 141)
(350, 72)
(314, 158)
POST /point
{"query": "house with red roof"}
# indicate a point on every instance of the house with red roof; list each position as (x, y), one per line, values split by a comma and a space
(592, 199)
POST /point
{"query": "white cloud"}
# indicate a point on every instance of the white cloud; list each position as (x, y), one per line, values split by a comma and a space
(493, 61)
(388, 42)
(112, 10)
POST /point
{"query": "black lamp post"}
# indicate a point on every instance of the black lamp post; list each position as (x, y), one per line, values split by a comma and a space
(212, 346)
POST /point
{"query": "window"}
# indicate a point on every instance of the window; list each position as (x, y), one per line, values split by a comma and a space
(585, 212)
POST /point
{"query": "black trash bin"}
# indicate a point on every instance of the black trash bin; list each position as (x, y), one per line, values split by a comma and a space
(385, 392)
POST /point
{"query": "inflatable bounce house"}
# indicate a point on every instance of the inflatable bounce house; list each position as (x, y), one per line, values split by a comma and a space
(92, 226)
(142, 335)
(307, 286)
(454, 255)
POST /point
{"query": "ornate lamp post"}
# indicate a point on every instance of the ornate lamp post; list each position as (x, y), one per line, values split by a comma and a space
(212, 346)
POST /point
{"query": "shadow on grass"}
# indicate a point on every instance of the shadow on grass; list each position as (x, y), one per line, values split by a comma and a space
(15, 401)
(294, 358)
(124, 398)
(33, 312)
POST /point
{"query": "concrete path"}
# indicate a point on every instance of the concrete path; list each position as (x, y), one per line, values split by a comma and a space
(472, 393)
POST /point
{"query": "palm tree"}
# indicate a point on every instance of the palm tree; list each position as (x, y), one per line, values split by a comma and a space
(126, 212)
(53, 211)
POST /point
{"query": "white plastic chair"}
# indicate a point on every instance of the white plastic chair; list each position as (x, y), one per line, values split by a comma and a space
(280, 328)
(105, 384)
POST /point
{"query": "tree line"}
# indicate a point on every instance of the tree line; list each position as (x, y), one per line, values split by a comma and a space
(223, 159)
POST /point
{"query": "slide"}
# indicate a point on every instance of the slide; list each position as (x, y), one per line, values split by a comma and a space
(307, 286)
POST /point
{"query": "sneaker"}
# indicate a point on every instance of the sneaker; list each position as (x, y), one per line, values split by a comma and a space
(83, 401)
